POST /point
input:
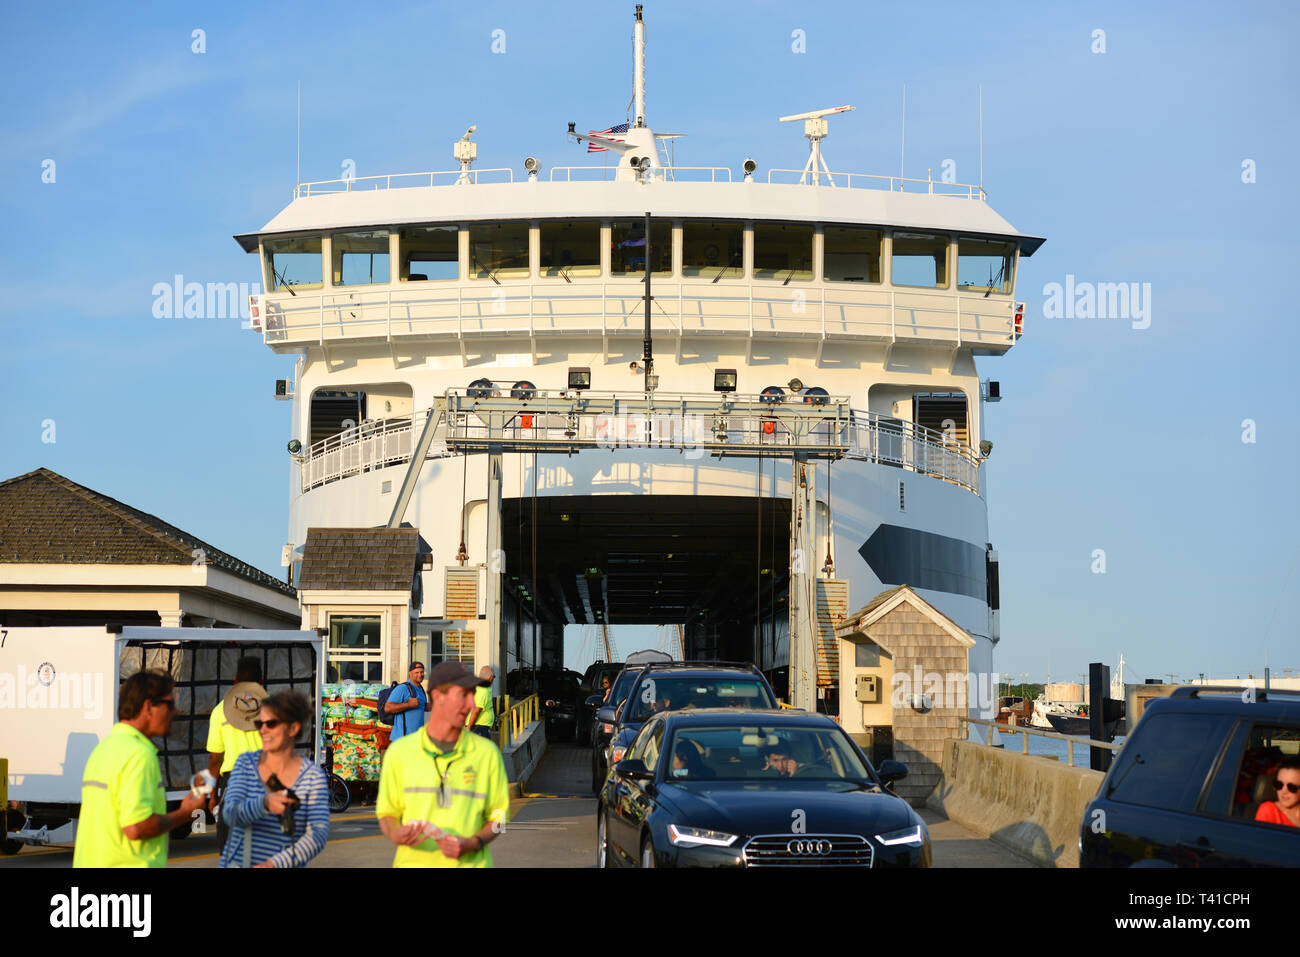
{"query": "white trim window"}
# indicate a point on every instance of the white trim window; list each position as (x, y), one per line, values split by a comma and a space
(356, 648)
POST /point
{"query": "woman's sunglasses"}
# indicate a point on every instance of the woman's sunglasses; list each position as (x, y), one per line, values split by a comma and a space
(268, 723)
(1279, 785)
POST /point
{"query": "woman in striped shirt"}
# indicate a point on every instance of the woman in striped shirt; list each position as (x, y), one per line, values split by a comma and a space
(254, 806)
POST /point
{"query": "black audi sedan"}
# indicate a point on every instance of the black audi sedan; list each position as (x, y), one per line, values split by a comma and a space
(727, 788)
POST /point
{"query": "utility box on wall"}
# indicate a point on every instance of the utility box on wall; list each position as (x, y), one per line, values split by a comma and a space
(868, 689)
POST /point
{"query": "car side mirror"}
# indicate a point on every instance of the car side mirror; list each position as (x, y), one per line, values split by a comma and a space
(606, 715)
(634, 768)
(594, 701)
(891, 771)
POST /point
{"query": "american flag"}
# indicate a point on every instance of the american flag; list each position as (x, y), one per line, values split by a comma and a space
(593, 148)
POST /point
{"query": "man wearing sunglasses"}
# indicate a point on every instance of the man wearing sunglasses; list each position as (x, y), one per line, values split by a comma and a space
(1286, 809)
(123, 805)
(443, 795)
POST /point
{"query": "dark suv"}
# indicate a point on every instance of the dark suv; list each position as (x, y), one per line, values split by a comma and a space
(672, 686)
(1185, 789)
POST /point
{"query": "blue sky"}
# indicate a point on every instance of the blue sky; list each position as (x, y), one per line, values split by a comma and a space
(1129, 161)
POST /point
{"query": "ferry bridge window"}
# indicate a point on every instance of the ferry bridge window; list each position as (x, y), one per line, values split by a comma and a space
(498, 250)
(570, 249)
(783, 251)
(360, 259)
(713, 248)
(983, 265)
(429, 253)
(627, 247)
(919, 259)
(293, 264)
(851, 254)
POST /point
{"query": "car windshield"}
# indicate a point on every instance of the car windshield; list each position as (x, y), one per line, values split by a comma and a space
(559, 686)
(759, 752)
(663, 693)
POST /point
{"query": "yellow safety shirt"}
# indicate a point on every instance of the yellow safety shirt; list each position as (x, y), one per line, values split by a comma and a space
(121, 786)
(483, 699)
(472, 778)
(227, 740)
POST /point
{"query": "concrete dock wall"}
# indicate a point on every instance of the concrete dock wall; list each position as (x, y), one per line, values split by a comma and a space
(522, 756)
(1031, 805)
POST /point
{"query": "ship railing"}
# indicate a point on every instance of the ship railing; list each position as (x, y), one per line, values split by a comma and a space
(903, 184)
(350, 184)
(885, 440)
(676, 174)
(371, 444)
(615, 307)
(1025, 731)
(865, 436)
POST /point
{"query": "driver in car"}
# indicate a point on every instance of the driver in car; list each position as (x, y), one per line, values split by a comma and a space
(780, 760)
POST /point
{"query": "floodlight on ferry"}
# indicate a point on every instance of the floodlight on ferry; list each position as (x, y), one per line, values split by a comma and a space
(532, 167)
(724, 380)
(294, 446)
(795, 384)
(749, 166)
(579, 378)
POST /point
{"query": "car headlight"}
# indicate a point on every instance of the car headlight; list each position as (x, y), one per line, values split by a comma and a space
(695, 836)
(910, 836)
(617, 755)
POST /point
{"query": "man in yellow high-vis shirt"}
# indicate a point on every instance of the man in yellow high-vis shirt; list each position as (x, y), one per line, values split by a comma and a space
(482, 714)
(123, 819)
(443, 795)
(231, 732)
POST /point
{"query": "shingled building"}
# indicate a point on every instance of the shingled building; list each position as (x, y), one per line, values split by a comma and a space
(71, 556)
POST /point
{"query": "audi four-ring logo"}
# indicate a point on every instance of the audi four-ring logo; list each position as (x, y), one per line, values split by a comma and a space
(809, 848)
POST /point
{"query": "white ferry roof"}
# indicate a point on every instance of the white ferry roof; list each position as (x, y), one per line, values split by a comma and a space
(376, 208)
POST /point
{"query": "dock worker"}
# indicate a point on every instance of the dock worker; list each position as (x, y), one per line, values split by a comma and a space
(231, 732)
(124, 820)
(482, 714)
(443, 796)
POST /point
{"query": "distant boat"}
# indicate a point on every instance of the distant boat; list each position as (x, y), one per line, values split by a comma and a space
(1078, 724)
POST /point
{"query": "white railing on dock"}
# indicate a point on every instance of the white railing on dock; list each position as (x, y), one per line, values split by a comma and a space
(1024, 731)
(871, 437)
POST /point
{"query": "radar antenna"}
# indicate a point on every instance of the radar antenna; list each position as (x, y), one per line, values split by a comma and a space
(816, 129)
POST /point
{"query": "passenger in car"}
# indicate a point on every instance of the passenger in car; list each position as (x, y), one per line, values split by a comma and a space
(1286, 809)
(687, 762)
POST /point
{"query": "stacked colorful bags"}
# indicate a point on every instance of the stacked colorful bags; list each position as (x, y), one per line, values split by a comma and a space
(350, 717)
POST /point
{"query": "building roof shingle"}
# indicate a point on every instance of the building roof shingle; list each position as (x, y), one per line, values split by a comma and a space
(360, 559)
(46, 518)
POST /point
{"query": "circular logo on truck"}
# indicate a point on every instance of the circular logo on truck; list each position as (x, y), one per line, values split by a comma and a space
(45, 674)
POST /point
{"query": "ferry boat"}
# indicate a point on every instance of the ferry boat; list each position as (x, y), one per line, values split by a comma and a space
(768, 411)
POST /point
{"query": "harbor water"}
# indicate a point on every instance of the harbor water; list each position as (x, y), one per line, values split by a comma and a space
(1050, 747)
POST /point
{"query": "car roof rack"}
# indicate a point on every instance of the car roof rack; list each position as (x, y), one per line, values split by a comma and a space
(747, 665)
(1260, 693)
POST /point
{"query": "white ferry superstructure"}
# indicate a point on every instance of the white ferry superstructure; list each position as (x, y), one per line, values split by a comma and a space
(510, 308)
